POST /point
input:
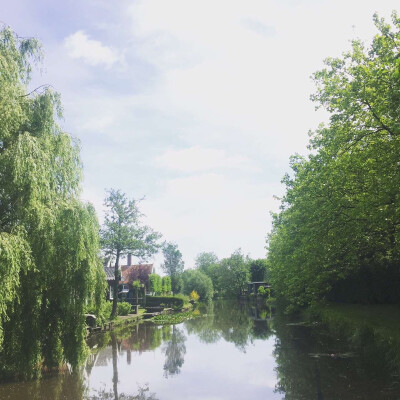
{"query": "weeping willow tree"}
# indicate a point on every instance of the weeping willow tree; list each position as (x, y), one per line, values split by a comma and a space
(49, 263)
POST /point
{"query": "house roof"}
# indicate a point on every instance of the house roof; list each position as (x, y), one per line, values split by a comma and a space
(109, 271)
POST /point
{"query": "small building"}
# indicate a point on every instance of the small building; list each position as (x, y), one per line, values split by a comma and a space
(129, 273)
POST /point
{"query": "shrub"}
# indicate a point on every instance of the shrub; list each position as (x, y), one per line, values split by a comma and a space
(261, 291)
(194, 296)
(167, 301)
(264, 292)
(102, 315)
(194, 280)
(123, 308)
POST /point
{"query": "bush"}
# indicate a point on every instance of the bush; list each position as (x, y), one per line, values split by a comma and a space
(123, 308)
(102, 315)
(167, 301)
(194, 280)
(263, 292)
(194, 295)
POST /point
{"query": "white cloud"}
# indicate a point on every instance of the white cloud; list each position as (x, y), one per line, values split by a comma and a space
(93, 52)
(196, 158)
(213, 88)
(98, 124)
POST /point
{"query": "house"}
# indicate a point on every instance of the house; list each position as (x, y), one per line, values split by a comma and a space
(129, 273)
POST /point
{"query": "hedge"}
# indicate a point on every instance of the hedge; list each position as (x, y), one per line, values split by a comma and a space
(167, 301)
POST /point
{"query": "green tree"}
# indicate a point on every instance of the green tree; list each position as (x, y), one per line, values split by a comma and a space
(339, 219)
(258, 270)
(155, 283)
(207, 263)
(173, 265)
(49, 248)
(123, 233)
(201, 283)
(166, 284)
(234, 274)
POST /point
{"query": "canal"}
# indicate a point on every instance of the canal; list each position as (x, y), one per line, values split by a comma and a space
(237, 351)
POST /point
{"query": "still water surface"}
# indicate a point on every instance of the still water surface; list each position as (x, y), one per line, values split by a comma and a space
(234, 351)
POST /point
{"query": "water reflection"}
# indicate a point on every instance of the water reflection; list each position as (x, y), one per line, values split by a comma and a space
(174, 350)
(239, 323)
(143, 394)
(336, 358)
(234, 351)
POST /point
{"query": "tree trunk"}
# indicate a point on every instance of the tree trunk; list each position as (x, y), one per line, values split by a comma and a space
(115, 364)
(116, 282)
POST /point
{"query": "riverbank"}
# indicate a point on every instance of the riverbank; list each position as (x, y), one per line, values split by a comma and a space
(167, 315)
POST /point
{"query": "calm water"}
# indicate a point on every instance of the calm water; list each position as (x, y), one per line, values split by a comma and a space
(237, 351)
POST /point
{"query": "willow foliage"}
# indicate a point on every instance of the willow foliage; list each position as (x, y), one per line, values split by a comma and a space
(49, 264)
(338, 229)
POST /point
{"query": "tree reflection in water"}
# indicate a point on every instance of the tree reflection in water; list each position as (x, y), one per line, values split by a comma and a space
(336, 359)
(143, 394)
(175, 350)
(235, 322)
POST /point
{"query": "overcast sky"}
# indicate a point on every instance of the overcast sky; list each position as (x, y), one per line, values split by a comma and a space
(196, 105)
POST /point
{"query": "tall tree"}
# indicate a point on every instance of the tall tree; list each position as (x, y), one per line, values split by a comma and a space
(49, 249)
(173, 265)
(339, 219)
(206, 261)
(123, 233)
(234, 273)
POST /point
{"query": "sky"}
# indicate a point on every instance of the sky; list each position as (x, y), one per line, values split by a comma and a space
(196, 105)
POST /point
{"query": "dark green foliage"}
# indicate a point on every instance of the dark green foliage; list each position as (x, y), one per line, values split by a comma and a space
(340, 216)
(201, 283)
(167, 301)
(258, 270)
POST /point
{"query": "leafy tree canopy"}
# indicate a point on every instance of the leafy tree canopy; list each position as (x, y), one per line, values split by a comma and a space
(49, 248)
(194, 280)
(173, 265)
(340, 215)
(123, 233)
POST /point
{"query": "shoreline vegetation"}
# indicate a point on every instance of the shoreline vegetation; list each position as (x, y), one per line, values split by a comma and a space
(337, 235)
